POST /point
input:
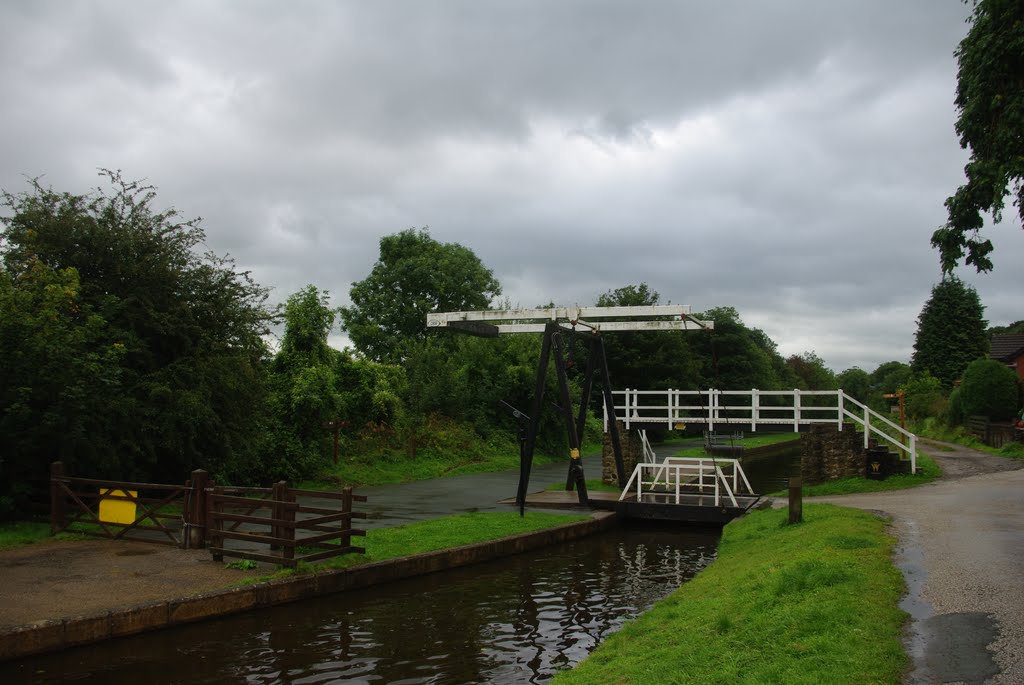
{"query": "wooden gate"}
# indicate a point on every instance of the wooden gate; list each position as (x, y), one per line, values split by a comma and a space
(120, 510)
(274, 518)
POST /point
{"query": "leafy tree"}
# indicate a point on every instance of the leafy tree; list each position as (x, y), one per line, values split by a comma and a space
(187, 327)
(59, 377)
(856, 383)
(924, 397)
(989, 389)
(305, 389)
(990, 98)
(811, 372)
(414, 275)
(1015, 327)
(950, 331)
(646, 360)
(890, 377)
(736, 357)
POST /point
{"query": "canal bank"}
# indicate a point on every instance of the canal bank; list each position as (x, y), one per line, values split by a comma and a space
(40, 617)
(515, 619)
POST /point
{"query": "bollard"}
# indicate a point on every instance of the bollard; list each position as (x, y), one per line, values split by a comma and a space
(796, 500)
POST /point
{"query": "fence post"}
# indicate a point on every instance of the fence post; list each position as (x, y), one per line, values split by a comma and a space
(289, 530)
(278, 492)
(796, 410)
(213, 525)
(57, 513)
(346, 507)
(839, 408)
(796, 500)
(195, 513)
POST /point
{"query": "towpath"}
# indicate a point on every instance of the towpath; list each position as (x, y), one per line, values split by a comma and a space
(59, 580)
(961, 549)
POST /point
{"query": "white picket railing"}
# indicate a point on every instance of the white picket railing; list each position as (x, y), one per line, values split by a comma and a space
(679, 477)
(755, 408)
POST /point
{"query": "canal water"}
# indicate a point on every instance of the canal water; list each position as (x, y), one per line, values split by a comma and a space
(517, 620)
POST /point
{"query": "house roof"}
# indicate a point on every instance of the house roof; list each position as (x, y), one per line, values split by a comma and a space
(1007, 346)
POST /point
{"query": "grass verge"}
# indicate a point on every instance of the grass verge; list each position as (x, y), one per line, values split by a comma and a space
(21, 533)
(927, 471)
(433, 535)
(932, 429)
(809, 603)
(455, 451)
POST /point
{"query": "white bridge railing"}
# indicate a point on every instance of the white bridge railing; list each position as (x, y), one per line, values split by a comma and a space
(679, 477)
(753, 408)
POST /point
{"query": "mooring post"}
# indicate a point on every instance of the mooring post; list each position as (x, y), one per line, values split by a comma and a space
(796, 500)
(57, 516)
(196, 511)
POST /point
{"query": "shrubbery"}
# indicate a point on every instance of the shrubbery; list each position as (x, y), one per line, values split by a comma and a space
(990, 389)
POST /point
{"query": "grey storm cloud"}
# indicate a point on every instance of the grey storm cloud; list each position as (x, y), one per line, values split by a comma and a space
(789, 159)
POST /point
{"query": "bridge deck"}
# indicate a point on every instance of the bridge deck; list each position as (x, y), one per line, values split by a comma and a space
(699, 509)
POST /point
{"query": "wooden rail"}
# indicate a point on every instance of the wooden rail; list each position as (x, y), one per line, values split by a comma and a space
(275, 521)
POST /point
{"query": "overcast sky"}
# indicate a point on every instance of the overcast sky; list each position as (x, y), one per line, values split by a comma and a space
(789, 159)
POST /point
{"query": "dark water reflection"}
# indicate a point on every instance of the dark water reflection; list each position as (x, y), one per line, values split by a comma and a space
(771, 472)
(514, 621)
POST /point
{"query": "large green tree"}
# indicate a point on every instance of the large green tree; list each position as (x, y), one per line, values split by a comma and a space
(187, 328)
(647, 360)
(811, 372)
(414, 275)
(950, 331)
(59, 379)
(736, 357)
(990, 98)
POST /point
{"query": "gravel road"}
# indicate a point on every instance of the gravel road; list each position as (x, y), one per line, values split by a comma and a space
(961, 549)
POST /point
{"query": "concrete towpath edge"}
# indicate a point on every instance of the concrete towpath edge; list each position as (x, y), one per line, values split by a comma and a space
(53, 635)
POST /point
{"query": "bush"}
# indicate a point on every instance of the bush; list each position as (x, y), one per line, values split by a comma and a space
(989, 389)
(924, 397)
(955, 413)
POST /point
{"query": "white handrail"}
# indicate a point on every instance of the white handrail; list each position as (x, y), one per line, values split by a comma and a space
(686, 475)
(649, 456)
(714, 406)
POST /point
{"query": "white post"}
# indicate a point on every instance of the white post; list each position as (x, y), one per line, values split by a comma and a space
(670, 406)
(796, 410)
(754, 406)
(867, 426)
(629, 407)
(839, 409)
(711, 410)
(913, 453)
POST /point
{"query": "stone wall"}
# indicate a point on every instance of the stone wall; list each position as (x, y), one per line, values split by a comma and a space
(828, 454)
(632, 454)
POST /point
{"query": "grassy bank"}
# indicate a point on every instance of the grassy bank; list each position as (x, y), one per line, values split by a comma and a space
(448, 449)
(750, 441)
(435, 534)
(808, 603)
(927, 471)
(934, 430)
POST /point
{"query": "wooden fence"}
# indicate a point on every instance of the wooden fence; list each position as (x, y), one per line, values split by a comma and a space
(200, 514)
(274, 518)
(990, 433)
